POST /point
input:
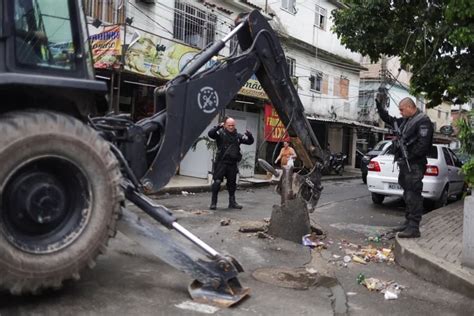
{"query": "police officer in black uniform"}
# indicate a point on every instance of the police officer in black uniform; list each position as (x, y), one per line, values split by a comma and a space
(227, 158)
(416, 132)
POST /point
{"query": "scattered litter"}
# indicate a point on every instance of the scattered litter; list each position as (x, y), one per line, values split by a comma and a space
(253, 227)
(373, 284)
(264, 235)
(312, 240)
(360, 278)
(347, 259)
(278, 248)
(358, 259)
(374, 238)
(389, 295)
(351, 293)
(200, 212)
(225, 221)
(390, 289)
(311, 270)
(336, 256)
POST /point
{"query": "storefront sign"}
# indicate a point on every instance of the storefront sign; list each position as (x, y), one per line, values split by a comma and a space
(274, 129)
(106, 47)
(157, 57)
(253, 88)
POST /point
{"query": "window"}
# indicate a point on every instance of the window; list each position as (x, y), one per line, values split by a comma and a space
(341, 88)
(289, 5)
(291, 62)
(320, 17)
(111, 11)
(456, 160)
(194, 26)
(316, 80)
(43, 34)
(447, 157)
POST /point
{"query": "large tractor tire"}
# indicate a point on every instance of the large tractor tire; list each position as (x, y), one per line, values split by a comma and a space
(60, 198)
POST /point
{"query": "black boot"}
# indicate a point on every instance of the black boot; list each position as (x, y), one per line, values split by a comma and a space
(400, 228)
(409, 232)
(213, 201)
(233, 203)
(216, 185)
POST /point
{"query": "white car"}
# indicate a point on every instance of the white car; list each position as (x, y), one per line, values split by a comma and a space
(442, 180)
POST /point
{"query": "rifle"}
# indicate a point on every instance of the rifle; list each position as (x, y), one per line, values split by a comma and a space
(399, 143)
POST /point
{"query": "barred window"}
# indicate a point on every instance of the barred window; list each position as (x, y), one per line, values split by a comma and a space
(111, 11)
(291, 66)
(320, 17)
(316, 80)
(194, 26)
(289, 5)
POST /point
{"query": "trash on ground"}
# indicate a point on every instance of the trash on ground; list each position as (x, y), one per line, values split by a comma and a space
(225, 221)
(360, 278)
(390, 289)
(186, 193)
(358, 259)
(313, 240)
(253, 227)
(351, 293)
(312, 270)
(264, 235)
(347, 259)
(371, 254)
(389, 295)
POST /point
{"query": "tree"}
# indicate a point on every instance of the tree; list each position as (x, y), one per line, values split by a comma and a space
(434, 38)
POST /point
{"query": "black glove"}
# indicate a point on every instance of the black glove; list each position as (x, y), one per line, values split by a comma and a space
(247, 133)
(381, 98)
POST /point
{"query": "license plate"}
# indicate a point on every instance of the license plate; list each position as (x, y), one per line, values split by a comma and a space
(394, 186)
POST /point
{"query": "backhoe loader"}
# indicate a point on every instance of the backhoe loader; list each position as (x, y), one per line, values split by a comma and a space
(66, 171)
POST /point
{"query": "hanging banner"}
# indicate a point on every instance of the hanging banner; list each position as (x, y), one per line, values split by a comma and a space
(274, 129)
(106, 47)
(157, 57)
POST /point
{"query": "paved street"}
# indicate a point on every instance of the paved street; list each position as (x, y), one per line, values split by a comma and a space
(128, 280)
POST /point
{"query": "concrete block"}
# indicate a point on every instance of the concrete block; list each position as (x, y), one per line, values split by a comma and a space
(290, 221)
(468, 233)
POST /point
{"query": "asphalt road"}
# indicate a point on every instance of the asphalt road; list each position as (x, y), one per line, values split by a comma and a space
(128, 280)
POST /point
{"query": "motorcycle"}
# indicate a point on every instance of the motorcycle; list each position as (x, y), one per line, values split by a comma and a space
(334, 162)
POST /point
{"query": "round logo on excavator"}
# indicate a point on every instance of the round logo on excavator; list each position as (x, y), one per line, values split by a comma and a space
(208, 99)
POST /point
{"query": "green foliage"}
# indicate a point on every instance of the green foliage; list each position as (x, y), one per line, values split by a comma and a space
(435, 38)
(466, 136)
(210, 143)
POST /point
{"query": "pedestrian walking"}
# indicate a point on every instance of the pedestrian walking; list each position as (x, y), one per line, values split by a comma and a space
(416, 134)
(286, 153)
(228, 156)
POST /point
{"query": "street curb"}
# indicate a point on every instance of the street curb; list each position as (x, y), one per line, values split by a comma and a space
(412, 257)
(241, 185)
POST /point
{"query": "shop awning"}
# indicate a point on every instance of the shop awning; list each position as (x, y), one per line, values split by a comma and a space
(349, 123)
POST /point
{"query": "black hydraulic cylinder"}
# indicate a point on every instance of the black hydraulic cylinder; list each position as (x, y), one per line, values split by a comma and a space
(157, 212)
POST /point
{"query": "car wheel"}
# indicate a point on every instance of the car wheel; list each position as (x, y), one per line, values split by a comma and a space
(443, 200)
(377, 198)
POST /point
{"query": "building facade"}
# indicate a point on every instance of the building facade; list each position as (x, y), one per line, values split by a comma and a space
(157, 38)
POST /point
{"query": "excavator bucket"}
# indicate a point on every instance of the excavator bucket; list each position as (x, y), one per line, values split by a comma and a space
(222, 296)
(215, 275)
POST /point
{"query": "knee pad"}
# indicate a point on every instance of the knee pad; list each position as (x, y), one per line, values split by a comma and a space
(216, 185)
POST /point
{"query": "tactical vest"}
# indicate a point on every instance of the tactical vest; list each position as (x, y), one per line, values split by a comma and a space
(229, 148)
